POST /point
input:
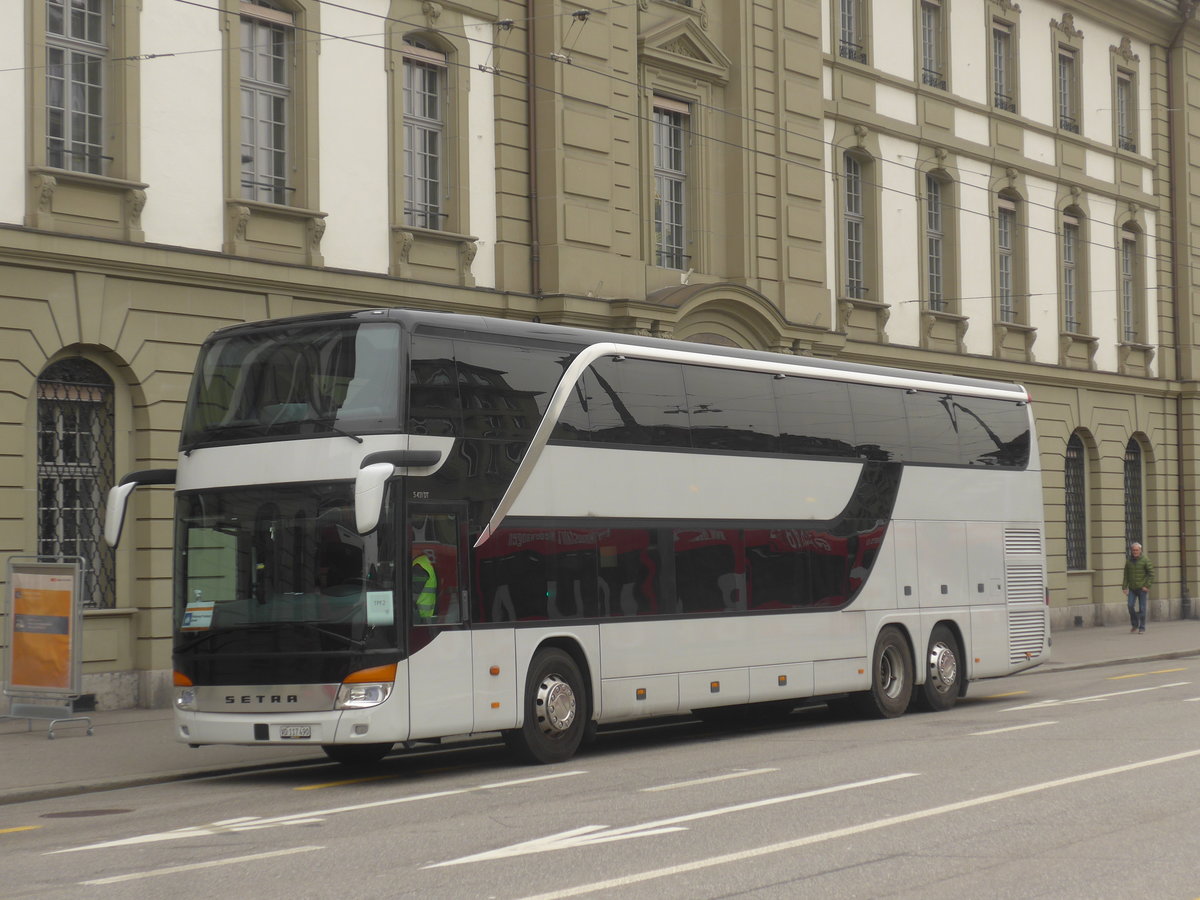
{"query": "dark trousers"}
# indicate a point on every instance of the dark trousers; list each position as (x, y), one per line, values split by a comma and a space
(1137, 608)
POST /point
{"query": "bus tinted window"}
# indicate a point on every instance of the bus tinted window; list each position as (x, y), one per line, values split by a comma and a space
(633, 401)
(433, 406)
(880, 429)
(934, 428)
(814, 416)
(709, 570)
(505, 389)
(993, 432)
(731, 410)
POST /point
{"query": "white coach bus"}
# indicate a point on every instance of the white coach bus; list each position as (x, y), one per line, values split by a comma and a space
(398, 526)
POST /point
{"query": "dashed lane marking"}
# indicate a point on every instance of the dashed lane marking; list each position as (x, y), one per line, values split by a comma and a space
(1011, 728)
(191, 867)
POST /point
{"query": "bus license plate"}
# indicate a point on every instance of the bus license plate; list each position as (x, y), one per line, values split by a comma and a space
(295, 732)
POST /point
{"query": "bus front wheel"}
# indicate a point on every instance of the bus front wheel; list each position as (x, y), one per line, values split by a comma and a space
(891, 677)
(556, 710)
(943, 673)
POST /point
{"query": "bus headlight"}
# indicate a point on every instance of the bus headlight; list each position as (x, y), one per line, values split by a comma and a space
(360, 696)
(366, 687)
(185, 699)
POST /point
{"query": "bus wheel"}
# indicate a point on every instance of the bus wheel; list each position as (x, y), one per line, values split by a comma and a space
(556, 710)
(356, 754)
(891, 677)
(943, 673)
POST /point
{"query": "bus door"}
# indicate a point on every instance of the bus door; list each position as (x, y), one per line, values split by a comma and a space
(439, 642)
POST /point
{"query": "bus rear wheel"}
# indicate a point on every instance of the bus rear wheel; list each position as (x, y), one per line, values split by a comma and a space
(943, 673)
(356, 754)
(556, 710)
(891, 677)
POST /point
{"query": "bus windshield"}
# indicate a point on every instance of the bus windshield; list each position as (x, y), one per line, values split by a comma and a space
(284, 557)
(294, 381)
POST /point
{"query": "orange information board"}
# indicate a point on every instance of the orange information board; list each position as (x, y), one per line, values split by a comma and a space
(43, 629)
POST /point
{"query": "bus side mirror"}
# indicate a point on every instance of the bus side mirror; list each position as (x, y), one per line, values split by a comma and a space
(368, 495)
(373, 474)
(118, 498)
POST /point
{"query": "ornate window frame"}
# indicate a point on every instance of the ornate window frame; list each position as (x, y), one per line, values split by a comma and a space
(106, 204)
(1067, 66)
(282, 232)
(1004, 16)
(932, 58)
(1126, 74)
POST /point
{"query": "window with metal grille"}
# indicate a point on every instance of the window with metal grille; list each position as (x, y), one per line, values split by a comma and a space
(75, 471)
(1006, 224)
(934, 240)
(670, 183)
(1068, 87)
(76, 61)
(424, 133)
(933, 72)
(851, 33)
(1129, 292)
(1070, 251)
(1003, 80)
(266, 88)
(1126, 113)
(1075, 504)
(854, 226)
(1133, 492)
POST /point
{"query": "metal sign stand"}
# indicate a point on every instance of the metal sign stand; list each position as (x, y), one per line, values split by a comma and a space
(44, 634)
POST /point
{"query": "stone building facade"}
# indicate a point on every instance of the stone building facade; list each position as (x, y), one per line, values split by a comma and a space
(983, 187)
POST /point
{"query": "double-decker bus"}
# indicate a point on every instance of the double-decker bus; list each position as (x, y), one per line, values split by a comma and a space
(396, 526)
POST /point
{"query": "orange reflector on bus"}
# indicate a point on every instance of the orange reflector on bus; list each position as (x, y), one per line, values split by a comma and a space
(372, 675)
(494, 670)
(783, 681)
(495, 704)
(714, 687)
(180, 680)
(640, 693)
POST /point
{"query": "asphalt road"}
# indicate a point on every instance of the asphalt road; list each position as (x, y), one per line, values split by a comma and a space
(1067, 784)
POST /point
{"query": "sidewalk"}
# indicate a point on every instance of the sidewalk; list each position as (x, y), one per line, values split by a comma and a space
(137, 746)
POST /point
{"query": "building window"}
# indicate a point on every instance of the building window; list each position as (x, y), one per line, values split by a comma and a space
(1126, 112)
(935, 237)
(670, 183)
(1069, 285)
(1068, 90)
(1003, 68)
(933, 65)
(1006, 262)
(75, 471)
(852, 42)
(854, 228)
(267, 35)
(1133, 492)
(1130, 270)
(77, 59)
(424, 134)
(1075, 504)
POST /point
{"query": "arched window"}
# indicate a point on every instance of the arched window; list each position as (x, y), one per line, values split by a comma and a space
(75, 470)
(1133, 492)
(1075, 502)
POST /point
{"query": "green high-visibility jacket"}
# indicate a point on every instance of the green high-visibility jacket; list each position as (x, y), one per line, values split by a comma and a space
(424, 585)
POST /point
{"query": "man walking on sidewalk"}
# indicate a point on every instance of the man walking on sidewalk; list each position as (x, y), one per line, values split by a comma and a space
(1139, 575)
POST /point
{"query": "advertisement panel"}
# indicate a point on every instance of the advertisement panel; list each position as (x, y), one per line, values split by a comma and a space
(43, 629)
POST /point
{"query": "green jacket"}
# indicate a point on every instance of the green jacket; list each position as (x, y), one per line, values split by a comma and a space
(1139, 573)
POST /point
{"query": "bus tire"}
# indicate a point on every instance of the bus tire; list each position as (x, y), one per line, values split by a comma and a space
(356, 754)
(556, 710)
(891, 677)
(943, 672)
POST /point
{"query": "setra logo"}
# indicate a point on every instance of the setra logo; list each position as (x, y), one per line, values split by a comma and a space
(262, 698)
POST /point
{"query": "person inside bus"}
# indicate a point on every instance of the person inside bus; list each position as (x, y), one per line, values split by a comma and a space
(424, 588)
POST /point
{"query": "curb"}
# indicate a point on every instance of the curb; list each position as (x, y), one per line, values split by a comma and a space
(1121, 661)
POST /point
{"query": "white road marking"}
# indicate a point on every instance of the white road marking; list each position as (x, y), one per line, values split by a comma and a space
(254, 823)
(595, 834)
(627, 880)
(1011, 728)
(171, 870)
(696, 781)
(1042, 704)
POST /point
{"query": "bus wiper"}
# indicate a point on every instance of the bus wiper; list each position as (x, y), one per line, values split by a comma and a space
(328, 423)
(209, 635)
(325, 632)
